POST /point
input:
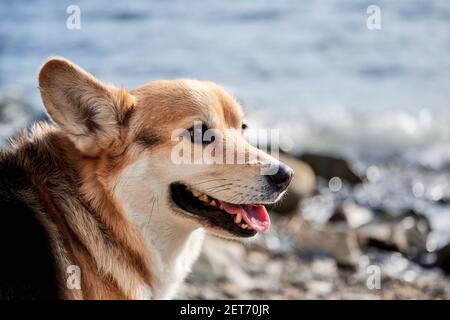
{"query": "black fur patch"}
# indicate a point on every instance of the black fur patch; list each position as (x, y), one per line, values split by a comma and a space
(86, 114)
(125, 118)
(87, 117)
(27, 269)
(148, 139)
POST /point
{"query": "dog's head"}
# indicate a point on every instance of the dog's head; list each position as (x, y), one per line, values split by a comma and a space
(172, 151)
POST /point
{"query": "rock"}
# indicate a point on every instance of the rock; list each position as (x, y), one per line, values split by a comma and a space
(329, 167)
(221, 260)
(338, 215)
(336, 240)
(302, 185)
(407, 234)
(443, 258)
(325, 269)
(319, 288)
(352, 214)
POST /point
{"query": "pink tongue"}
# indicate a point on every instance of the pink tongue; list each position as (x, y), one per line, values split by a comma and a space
(255, 216)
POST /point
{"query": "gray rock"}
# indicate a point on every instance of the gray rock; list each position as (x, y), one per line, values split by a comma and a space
(336, 240)
(329, 167)
(407, 234)
(352, 214)
(221, 260)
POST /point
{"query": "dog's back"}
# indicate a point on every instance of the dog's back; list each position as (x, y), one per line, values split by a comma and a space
(27, 268)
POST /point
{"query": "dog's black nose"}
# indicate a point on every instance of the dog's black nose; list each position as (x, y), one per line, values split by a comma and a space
(281, 179)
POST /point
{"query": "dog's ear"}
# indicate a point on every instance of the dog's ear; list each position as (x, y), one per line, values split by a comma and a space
(88, 111)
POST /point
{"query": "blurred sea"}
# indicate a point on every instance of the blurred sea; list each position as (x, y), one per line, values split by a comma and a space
(310, 68)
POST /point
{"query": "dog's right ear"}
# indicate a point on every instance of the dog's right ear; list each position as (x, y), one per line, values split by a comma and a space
(88, 111)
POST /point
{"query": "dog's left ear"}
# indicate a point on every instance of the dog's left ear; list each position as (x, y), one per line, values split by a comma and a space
(91, 113)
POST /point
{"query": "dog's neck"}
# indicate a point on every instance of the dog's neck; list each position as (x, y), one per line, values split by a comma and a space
(172, 247)
(173, 242)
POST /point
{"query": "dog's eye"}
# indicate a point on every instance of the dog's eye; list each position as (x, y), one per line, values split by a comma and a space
(197, 134)
(244, 126)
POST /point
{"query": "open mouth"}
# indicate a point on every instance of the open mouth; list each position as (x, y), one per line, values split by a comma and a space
(242, 220)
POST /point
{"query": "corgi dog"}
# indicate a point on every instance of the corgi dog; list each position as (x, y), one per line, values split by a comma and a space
(96, 206)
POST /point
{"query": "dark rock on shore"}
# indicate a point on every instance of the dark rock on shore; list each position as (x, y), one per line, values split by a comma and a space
(443, 258)
(351, 214)
(329, 167)
(407, 234)
(335, 240)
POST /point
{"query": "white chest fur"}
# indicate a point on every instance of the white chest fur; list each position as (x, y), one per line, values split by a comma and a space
(172, 242)
(172, 259)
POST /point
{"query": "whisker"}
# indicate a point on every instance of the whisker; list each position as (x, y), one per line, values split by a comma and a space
(219, 190)
(211, 180)
(219, 186)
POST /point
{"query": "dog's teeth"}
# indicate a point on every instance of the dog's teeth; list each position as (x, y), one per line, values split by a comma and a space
(244, 226)
(213, 203)
(221, 207)
(204, 198)
(237, 218)
(196, 193)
